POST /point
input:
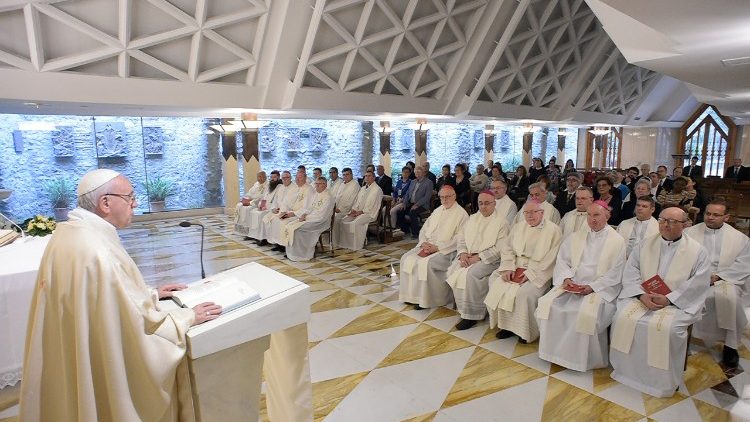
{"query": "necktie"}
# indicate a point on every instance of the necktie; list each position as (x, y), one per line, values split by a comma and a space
(736, 171)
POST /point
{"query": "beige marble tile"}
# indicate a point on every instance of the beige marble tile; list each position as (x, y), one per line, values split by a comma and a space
(702, 372)
(362, 281)
(711, 413)
(487, 373)
(427, 417)
(564, 402)
(376, 318)
(441, 312)
(602, 378)
(422, 342)
(341, 299)
(318, 285)
(655, 404)
(525, 349)
(328, 394)
(489, 335)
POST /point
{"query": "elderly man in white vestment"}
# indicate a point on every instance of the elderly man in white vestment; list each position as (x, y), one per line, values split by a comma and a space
(298, 197)
(503, 204)
(346, 194)
(250, 201)
(479, 244)
(575, 220)
(649, 332)
(538, 193)
(643, 225)
(424, 269)
(277, 191)
(724, 317)
(98, 347)
(573, 317)
(351, 230)
(524, 275)
(300, 236)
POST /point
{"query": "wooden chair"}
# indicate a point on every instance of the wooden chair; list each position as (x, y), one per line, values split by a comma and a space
(329, 232)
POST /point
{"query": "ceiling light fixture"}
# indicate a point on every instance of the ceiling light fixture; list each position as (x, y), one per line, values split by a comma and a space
(600, 130)
(421, 125)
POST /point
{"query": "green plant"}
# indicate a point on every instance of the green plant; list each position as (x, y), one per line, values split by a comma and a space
(158, 188)
(60, 192)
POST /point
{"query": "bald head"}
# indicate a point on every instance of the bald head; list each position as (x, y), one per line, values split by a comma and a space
(597, 216)
(486, 202)
(672, 221)
(533, 212)
(447, 196)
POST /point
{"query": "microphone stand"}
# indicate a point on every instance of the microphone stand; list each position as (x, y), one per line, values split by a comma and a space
(203, 229)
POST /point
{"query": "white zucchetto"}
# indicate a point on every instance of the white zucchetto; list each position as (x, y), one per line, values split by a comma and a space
(94, 179)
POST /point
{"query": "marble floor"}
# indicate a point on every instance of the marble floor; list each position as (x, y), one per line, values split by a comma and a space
(373, 358)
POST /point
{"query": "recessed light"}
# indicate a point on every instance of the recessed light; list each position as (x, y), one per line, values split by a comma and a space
(739, 61)
(30, 104)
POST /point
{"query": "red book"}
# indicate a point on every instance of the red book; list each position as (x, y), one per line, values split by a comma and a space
(518, 275)
(656, 285)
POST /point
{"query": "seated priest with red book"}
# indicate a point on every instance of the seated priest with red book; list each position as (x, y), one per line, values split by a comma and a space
(573, 317)
(649, 333)
(424, 269)
(524, 275)
(728, 250)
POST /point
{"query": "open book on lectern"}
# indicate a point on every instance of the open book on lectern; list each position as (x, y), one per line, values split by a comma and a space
(228, 292)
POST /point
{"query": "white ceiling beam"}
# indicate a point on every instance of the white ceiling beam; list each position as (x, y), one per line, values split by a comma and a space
(160, 65)
(161, 38)
(257, 48)
(34, 36)
(124, 32)
(75, 60)
(232, 18)
(229, 45)
(78, 25)
(224, 70)
(173, 11)
(16, 61)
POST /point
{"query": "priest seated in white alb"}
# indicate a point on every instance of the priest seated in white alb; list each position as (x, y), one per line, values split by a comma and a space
(350, 232)
(250, 200)
(503, 204)
(277, 190)
(643, 225)
(334, 181)
(538, 193)
(574, 316)
(524, 275)
(724, 317)
(346, 194)
(479, 244)
(664, 287)
(424, 269)
(575, 220)
(298, 198)
(301, 234)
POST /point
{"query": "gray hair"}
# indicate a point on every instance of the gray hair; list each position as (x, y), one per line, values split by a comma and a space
(538, 185)
(643, 182)
(90, 201)
(577, 175)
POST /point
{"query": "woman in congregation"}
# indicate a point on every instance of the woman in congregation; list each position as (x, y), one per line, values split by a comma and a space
(605, 191)
(519, 185)
(462, 186)
(570, 167)
(553, 174)
(679, 195)
(536, 170)
(547, 185)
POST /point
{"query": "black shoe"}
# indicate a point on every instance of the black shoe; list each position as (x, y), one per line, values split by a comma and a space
(409, 303)
(504, 334)
(522, 341)
(418, 308)
(730, 357)
(465, 324)
(248, 238)
(276, 248)
(263, 242)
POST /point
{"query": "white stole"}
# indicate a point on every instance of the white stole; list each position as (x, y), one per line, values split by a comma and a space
(569, 224)
(480, 233)
(503, 205)
(441, 226)
(626, 228)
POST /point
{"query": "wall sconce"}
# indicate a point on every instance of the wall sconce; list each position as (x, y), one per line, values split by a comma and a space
(385, 127)
(420, 126)
(530, 128)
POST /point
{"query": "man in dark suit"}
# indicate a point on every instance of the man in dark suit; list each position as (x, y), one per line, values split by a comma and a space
(416, 201)
(428, 174)
(566, 199)
(737, 172)
(693, 170)
(384, 181)
(664, 182)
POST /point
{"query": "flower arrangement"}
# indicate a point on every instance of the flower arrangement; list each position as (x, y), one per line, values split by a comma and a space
(39, 225)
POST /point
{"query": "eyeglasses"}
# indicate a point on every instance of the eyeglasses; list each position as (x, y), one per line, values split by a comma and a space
(130, 198)
(670, 221)
(531, 212)
(485, 204)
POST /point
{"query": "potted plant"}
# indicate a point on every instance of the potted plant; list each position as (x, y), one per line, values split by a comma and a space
(60, 193)
(158, 189)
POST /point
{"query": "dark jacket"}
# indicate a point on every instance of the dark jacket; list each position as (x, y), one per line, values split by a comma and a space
(562, 203)
(386, 184)
(520, 192)
(697, 171)
(668, 183)
(430, 175)
(616, 205)
(422, 194)
(743, 175)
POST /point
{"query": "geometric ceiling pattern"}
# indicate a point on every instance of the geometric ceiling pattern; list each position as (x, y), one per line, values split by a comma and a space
(621, 87)
(546, 50)
(185, 40)
(389, 46)
(547, 60)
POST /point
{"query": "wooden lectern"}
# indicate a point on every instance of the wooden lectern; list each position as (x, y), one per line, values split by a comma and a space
(225, 356)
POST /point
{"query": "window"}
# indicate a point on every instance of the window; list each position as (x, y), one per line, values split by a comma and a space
(604, 151)
(709, 136)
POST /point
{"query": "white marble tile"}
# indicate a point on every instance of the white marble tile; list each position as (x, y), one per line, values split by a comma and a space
(473, 334)
(402, 391)
(395, 305)
(382, 296)
(360, 289)
(323, 324)
(347, 355)
(504, 347)
(681, 412)
(582, 380)
(625, 397)
(419, 315)
(716, 398)
(532, 360)
(444, 324)
(740, 381)
(524, 402)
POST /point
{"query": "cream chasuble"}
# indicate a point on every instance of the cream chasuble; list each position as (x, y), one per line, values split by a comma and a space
(98, 347)
(550, 214)
(634, 230)
(350, 232)
(345, 197)
(506, 207)
(573, 221)
(480, 235)
(318, 209)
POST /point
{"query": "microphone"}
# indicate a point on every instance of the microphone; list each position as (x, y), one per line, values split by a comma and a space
(203, 229)
(23, 233)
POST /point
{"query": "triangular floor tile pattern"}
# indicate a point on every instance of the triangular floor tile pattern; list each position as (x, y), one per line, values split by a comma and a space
(373, 358)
